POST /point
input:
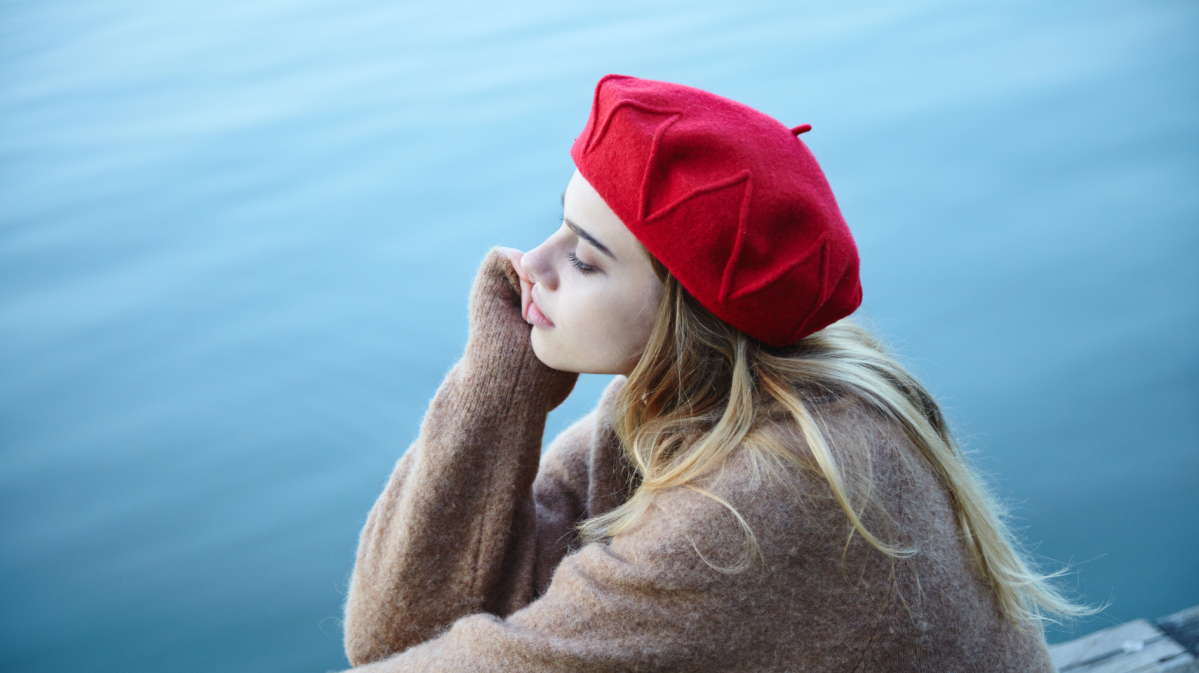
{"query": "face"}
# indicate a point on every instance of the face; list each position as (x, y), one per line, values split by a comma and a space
(594, 285)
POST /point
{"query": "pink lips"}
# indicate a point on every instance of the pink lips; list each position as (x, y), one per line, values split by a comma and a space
(536, 317)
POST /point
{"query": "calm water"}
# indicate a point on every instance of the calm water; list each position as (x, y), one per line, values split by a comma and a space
(236, 240)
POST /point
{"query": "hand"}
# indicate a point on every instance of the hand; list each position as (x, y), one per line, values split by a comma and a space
(499, 333)
(495, 302)
(526, 283)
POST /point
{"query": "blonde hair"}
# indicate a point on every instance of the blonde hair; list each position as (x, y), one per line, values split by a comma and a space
(703, 388)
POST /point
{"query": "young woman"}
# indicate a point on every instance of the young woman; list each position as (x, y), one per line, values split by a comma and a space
(763, 489)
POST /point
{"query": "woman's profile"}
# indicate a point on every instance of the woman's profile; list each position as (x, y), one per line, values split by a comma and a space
(763, 488)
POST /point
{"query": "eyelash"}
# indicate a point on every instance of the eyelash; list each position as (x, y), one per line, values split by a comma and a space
(584, 268)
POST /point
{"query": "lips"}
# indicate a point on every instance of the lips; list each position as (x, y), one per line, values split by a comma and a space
(536, 317)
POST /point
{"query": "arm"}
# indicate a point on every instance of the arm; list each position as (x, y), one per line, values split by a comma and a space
(454, 531)
(644, 601)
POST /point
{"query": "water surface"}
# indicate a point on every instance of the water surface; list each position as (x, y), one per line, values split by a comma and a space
(236, 240)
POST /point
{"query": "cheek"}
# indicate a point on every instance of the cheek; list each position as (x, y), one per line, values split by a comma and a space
(612, 325)
(599, 329)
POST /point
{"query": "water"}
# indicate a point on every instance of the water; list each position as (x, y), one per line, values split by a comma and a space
(236, 240)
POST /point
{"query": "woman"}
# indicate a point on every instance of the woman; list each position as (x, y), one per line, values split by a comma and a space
(762, 490)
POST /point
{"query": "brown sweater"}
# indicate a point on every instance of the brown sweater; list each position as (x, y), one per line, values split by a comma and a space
(469, 560)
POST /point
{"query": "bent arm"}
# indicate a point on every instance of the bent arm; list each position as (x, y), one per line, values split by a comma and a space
(643, 602)
(454, 531)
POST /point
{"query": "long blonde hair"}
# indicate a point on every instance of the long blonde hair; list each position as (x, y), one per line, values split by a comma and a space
(703, 388)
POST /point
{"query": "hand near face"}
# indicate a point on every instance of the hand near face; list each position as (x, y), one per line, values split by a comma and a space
(593, 287)
(589, 290)
(498, 347)
(526, 284)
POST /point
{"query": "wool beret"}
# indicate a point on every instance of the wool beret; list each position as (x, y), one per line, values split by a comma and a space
(731, 201)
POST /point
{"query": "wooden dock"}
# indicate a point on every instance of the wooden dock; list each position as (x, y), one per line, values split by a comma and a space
(1165, 646)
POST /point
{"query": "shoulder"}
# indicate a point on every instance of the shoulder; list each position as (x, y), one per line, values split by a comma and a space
(853, 433)
(778, 480)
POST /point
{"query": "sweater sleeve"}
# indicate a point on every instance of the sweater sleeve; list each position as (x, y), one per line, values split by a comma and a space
(455, 530)
(645, 600)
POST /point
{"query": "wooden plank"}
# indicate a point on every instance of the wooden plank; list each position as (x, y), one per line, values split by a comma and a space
(1183, 627)
(1101, 643)
(1135, 647)
(1182, 664)
(1156, 657)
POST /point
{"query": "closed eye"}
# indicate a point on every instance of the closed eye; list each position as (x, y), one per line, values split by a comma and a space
(584, 268)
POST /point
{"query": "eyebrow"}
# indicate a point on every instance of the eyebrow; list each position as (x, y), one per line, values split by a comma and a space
(582, 233)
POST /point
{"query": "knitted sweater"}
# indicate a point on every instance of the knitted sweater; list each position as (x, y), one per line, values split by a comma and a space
(469, 560)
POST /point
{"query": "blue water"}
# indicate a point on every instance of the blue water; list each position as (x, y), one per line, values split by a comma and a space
(236, 240)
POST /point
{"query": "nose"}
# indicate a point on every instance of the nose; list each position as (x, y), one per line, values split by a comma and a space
(537, 263)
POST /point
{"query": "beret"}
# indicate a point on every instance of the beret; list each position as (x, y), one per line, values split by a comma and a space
(730, 200)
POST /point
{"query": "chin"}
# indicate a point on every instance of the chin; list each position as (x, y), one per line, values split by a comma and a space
(545, 353)
(544, 347)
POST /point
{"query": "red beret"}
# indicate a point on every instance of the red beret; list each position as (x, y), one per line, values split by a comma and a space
(728, 199)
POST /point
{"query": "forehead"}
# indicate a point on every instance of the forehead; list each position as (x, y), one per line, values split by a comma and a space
(584, 206)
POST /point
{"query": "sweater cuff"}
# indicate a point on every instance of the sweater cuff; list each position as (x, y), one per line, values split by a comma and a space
(512, 378)
(499, 358)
